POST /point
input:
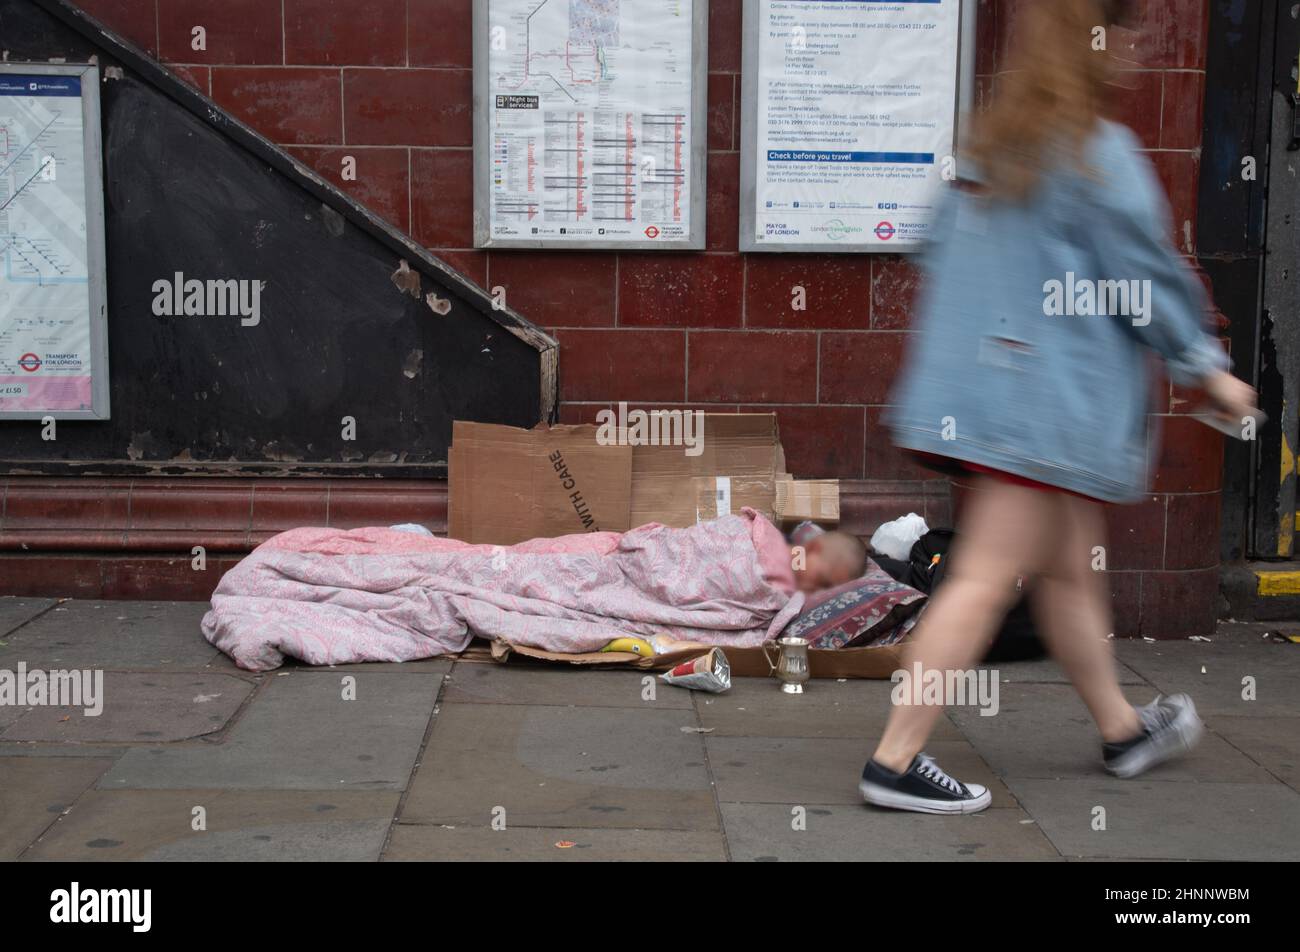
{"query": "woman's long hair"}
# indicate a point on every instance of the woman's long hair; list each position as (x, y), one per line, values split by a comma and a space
(1047, 106)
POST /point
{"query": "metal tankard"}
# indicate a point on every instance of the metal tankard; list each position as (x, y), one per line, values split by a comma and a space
(791, 665)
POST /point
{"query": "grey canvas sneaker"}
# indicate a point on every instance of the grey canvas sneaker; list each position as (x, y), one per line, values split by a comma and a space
(1170, 728)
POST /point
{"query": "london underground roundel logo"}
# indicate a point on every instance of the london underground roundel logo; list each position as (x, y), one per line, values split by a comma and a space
(652, 232)
(30, 363)
(885, 230)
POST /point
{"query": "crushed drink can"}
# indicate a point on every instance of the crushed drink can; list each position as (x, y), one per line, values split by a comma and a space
(709, 672)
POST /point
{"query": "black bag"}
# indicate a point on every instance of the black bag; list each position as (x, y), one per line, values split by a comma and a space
(1017, 639)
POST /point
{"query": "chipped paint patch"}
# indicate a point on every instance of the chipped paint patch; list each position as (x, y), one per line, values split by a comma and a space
(439, 305)
(406, 280)
(411, 366)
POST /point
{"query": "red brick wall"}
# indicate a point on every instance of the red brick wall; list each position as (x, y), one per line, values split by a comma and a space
(388, 81)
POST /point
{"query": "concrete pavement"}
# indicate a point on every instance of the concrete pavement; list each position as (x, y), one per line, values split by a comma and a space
(192, 758)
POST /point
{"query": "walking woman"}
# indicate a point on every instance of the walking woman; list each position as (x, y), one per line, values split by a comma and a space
(1048, 287)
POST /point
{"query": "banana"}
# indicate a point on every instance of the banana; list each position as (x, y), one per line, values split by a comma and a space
(636, 646)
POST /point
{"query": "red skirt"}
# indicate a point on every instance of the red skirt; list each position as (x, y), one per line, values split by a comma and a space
(959, 467)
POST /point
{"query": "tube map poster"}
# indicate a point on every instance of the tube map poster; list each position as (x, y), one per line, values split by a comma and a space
(590, 115)
(45, 308)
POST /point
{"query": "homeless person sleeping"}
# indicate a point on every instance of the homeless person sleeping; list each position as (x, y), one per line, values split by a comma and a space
(329, 596)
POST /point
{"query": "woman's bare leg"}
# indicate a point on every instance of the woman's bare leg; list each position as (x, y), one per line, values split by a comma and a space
(1006, 533)
(1071, 604)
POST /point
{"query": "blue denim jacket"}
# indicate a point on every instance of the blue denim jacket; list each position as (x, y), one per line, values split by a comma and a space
(1014, 364)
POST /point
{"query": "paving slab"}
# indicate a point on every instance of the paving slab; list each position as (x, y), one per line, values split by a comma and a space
(16, 611)
(560, 686)
(839, 833)
(106, 634)
(1272, 742)
(1047, 671)
(281, 825)
(35, 790)
(140, 708)
(1176, 666)
(300, 733)
(1044, 731)
(756, 707)
(582, 768)
(800, 771)
(533, 844)
(1153, 820)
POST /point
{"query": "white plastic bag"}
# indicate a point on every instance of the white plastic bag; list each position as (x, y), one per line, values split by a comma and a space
(895, 539)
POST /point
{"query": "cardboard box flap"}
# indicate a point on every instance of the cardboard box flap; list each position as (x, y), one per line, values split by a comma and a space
(508, 485)
(734, 445)
(817, 500)
(718, 496)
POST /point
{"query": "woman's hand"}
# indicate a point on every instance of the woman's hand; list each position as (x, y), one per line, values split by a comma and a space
(1233, 399)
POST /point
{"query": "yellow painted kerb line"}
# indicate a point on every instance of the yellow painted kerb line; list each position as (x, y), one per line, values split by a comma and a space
(1278, 583)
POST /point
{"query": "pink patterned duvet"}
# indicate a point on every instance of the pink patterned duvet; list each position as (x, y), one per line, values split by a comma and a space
(327, 596)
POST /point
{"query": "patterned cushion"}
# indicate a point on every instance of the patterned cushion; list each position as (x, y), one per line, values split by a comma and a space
(872, 610)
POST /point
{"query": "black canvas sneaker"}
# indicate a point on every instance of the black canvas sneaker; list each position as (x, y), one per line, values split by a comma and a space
(924, 788)
(1170, 728)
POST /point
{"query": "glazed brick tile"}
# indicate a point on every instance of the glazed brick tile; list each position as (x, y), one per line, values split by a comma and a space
(895, 283)
(1191, 457)
(820, 442)
(622, 364)
(1138, 102)
(884, 460)
(860, 367)
(834, 291)
(472, 264)
(725, 19)
(134, 20)
(753, 367)
(242, 32)
(45, 505)
(200, 77)
(722, 110)
(158, 506)
(277, 508)
(1135, 535)
(416, 107)
(293, 105)
(679, 290)
(159, 578)
(1177, 605)
(439, 33)
(1169, 34)
(1192, 537)
(356, 508)
(356, 33)
(51, 576)
(556, 288)
(986, 37)
(1126, 603)
(382, 182)
(1180, 174)
(584, 413)
(1184, 110)
(442, 197)
(722, 227)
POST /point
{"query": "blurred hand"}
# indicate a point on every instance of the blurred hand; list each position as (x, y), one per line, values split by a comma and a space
(1233, 399)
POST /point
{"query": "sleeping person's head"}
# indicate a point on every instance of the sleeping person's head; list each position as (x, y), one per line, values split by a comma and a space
(830, 559)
